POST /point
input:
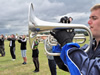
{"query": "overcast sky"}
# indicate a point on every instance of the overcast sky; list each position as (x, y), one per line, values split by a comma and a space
(14, 13)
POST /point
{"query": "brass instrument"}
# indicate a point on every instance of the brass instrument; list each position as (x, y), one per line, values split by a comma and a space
(37, 26)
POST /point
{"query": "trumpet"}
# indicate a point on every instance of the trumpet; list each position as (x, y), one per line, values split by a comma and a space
(37, 26)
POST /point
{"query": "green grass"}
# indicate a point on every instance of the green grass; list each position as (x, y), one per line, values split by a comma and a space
(9, 67)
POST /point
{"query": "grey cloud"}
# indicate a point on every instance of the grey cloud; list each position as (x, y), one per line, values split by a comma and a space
(14, 13)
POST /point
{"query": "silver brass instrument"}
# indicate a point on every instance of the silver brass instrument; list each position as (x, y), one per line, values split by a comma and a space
(37, 26)
(79, 36)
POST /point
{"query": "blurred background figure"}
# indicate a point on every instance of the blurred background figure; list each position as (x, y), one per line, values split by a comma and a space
(51, 61)
(35, 53)
(12, 40)
(2, 49)
(22, 40)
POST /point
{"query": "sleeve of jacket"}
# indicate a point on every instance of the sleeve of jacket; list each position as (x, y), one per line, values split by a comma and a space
(1, 39)
(87, 66)
(19, 41)
(9, 39)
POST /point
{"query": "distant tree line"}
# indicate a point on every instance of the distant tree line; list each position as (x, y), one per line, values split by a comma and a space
(82, 32)
(77, 32)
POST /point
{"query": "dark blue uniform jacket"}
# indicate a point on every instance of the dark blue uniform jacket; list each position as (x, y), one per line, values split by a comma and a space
(78, 61)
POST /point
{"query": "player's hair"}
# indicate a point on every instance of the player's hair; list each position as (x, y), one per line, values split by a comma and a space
(95, 7)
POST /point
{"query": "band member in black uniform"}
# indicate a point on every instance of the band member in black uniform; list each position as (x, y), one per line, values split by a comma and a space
(22, 40)
(12, 40)
(2, 49)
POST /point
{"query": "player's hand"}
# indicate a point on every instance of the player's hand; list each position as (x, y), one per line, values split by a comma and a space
(63, 36)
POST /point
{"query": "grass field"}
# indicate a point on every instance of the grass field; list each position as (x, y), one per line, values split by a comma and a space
(9, 67)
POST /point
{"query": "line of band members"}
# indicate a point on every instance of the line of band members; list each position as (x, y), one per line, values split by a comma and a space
(12, 38)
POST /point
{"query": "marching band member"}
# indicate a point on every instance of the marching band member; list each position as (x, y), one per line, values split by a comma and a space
(2, 49)
(12, 45)
(23, 43)
(74, 58)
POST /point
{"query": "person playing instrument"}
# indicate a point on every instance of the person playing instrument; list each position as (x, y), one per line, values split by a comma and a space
(12, 40)
(2, 49)
(74, 57)
(51, 61)
(59, 34)
(35, 53)
(23, 43)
